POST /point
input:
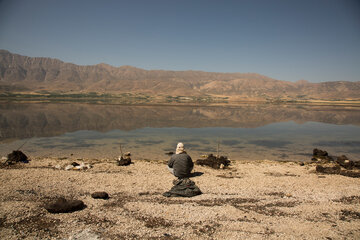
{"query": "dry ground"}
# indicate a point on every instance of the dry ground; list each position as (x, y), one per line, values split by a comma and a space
(250, 200)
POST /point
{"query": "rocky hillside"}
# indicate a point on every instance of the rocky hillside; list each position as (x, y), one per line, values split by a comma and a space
(24, 74)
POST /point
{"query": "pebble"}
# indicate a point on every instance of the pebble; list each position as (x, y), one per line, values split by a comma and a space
(82, 166)
(69, 167)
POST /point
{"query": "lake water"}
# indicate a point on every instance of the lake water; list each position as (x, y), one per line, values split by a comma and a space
(246, 132)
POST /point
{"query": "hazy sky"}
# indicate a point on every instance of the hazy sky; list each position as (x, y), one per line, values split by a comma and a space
(316, 40)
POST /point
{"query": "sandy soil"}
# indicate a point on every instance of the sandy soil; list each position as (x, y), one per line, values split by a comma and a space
(250, 200)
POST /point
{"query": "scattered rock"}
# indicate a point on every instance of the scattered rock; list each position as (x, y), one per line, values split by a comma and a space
(345, 162)
(4, 161)
(100, 195)
(320, 155)
(329, 166)
(82, 166)
(357, 164)
(17, 156)
(76, 166)
(328, 170)
(69, 167)
(61, 205)
(348, 173)
(124, 161)
(214, 162)
(169, 153)
(336, 169)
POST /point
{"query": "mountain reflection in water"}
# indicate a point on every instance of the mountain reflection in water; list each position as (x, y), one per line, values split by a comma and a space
(253, 131)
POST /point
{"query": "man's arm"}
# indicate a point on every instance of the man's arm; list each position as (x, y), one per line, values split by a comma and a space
(191, 162)
(171, 162)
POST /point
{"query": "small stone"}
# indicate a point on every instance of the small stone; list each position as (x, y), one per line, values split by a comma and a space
(61, 205)
(17, 156)
(100, 195)
(124, 161)
(69, 167)
(320, 155)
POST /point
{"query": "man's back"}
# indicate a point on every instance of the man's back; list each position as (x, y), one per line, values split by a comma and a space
(182, 164)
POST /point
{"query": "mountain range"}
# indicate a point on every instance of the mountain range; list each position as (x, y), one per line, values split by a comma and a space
(38, 74)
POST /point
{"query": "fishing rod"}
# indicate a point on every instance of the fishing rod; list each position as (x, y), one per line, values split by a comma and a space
(121, 151)
(23, 144)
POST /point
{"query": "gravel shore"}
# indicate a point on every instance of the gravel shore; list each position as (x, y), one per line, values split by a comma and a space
(249, 200)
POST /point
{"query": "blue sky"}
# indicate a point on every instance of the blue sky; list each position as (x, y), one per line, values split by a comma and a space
(315, 40)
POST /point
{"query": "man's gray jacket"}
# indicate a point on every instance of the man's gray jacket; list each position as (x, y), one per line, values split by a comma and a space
(182, 164)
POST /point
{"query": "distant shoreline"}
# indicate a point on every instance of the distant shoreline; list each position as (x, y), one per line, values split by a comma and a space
(142, 99)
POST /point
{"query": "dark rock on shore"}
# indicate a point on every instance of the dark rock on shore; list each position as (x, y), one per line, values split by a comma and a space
(124, 161)
(336, 169)
(328, 170)
(342, 166)
(345, 162)
(65, 206)
(352, 174)
(320, 155)
(75, 164)
(214, 162)
(17, 156)
(100, 195)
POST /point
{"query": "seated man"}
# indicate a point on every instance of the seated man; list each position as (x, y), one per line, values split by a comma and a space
(180, 164)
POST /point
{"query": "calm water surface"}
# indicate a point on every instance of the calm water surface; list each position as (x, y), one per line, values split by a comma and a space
(247, 132)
